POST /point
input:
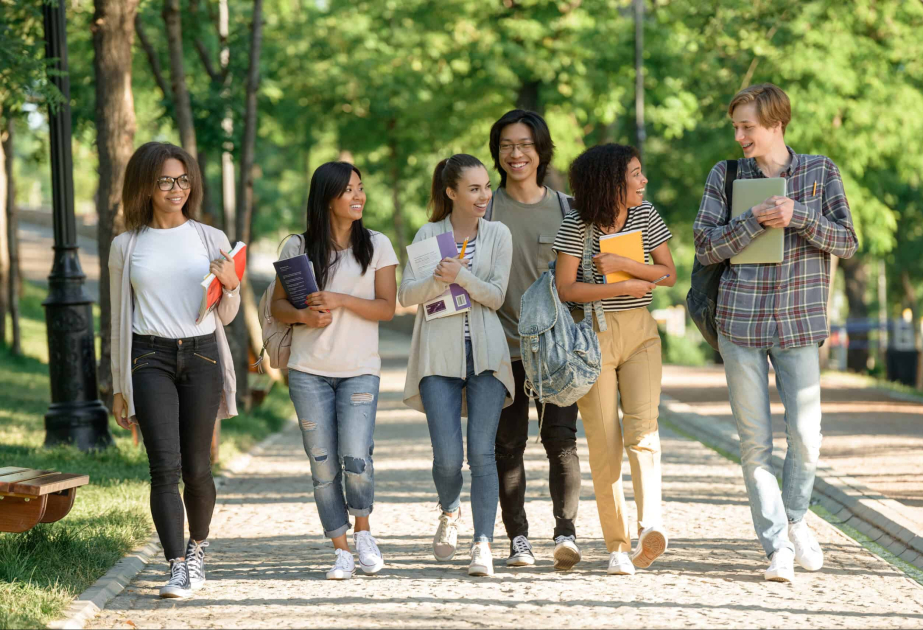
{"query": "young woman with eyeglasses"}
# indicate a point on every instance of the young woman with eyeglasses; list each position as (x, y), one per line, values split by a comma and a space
(172, 375)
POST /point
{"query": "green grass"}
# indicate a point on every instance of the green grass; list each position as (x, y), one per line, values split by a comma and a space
(42, 570)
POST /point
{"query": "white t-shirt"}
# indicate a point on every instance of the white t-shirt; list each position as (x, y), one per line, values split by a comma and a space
(349, 345)
(167, 269)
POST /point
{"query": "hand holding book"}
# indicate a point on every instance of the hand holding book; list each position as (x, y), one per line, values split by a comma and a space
(225, 270)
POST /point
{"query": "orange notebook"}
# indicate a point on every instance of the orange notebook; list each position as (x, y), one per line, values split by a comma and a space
(627, 244)
(211, 285)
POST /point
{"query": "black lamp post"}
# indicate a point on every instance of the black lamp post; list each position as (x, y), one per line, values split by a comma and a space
(76, 414)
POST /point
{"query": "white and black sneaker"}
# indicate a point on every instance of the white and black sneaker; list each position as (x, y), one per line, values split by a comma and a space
(370, 558)
(520, 553)
(344, 567)
(195, 563)
(178, 587)
(566, 553)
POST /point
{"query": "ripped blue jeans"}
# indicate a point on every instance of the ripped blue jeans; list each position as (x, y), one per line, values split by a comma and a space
(337, 419)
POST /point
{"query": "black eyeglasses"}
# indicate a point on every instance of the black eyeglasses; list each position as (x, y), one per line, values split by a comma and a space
(167, 183)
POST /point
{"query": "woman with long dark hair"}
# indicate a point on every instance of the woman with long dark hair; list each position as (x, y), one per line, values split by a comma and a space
(460, 365)
(335, 366)
(608, 188)
(172, 375)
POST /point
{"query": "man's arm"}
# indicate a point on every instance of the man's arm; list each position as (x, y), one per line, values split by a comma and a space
(716, 238)
(830, 230)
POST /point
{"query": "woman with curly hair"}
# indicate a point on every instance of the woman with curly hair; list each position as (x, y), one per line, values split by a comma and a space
(608, 188)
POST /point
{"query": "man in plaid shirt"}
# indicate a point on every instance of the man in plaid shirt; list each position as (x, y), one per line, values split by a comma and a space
(777, 311)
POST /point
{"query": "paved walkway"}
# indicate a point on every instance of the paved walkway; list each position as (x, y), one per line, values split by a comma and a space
(872, 435)
(268, 555)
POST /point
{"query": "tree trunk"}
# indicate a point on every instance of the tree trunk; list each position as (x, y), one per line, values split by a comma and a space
(528, 97)
(181, 101)
(910, 294)
(856, 274)
(12, 226)
(245, 210)
(825, 349)
(398, 216)
(4, 250)
(113, 35)
(208, 202)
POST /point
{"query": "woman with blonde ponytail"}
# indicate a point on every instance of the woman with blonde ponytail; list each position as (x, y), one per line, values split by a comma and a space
(460, 365)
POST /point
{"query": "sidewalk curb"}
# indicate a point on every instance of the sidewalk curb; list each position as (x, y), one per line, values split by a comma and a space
(91, 602)
(882, 519)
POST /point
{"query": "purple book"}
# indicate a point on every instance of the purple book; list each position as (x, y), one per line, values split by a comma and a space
(449, 249)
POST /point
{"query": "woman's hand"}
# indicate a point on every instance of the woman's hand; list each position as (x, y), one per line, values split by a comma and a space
(610, 263)
(447, 270)
(315, 319)
(225, 271)
(637, 288)
(120, 411)
(324, 301)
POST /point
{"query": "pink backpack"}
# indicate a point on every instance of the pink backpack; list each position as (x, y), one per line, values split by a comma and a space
(277, 336)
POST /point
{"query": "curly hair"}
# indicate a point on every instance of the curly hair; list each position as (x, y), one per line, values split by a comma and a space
(598, 182)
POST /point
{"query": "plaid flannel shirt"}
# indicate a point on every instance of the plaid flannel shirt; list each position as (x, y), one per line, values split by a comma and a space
(756, 303)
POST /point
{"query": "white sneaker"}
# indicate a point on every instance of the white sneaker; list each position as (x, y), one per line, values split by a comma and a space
(520, 553)
(370, 559)
(566, 553)
(807, 550)
(482, 561)
(620, 564)
(651, 544)
(445, 542)
(781, 567)
(178, 587)
(344, 567)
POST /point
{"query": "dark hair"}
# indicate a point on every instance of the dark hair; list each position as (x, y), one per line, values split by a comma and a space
(141, 180)
(540, 136)
(598, 182)
(446, 175)
(329, 182)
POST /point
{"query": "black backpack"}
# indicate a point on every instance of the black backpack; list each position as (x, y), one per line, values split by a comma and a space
(702, 299)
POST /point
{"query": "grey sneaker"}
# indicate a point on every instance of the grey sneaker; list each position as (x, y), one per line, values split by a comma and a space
(520, 553)
(566, 553)
(445, 542)
(195, 563)
(178, 587)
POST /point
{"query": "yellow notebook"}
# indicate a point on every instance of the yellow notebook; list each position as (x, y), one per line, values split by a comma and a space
(627, 244)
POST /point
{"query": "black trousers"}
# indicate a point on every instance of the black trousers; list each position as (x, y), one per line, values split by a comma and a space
(177, 390)
(559, 437)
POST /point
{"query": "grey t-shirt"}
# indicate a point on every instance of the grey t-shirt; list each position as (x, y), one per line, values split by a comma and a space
(534, 227)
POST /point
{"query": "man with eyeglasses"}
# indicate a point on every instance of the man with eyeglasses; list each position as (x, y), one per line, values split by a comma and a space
(521, 147)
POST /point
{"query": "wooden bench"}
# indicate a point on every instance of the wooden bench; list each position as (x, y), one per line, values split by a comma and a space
(29, 497)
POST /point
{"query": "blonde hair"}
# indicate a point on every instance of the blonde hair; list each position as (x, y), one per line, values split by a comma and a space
(772, 104)
(141, 177)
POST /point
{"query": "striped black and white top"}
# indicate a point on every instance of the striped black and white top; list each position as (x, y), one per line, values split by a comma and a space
(469, 256)
(654, 233)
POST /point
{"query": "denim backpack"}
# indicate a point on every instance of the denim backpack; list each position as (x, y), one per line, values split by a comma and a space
(561, 358)
(702, 299)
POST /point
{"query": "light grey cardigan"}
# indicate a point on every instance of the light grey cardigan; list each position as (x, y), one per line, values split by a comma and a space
(121, 298)
(438, 346)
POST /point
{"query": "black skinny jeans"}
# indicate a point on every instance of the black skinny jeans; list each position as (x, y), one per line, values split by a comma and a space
(559, 437)
(177, 390)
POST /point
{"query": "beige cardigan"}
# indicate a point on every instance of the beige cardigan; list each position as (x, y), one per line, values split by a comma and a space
(438, 346)
(121, 298)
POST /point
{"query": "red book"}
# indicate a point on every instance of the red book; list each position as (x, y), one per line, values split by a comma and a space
(211, 286)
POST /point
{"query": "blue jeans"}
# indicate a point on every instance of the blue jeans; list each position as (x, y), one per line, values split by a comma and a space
(442, 400)
(798, 381)
(337, 419)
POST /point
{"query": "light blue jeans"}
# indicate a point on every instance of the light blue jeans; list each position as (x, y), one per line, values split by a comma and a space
(442, 398)
(337, 419)
(798, 381)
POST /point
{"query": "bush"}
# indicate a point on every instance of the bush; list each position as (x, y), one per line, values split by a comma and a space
(684, 350)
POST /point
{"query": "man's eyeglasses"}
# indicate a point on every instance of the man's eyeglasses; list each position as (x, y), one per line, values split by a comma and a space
(525, 147)
(167, 183)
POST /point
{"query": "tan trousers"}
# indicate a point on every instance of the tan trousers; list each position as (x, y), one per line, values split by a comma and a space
(631, 371)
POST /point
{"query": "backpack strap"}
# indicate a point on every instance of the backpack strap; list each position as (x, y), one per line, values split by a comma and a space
(729, 178)
(564, 201)
(490, 209)
(587, 264)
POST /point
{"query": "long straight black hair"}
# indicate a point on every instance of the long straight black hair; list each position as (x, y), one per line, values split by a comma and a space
(329, 182)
